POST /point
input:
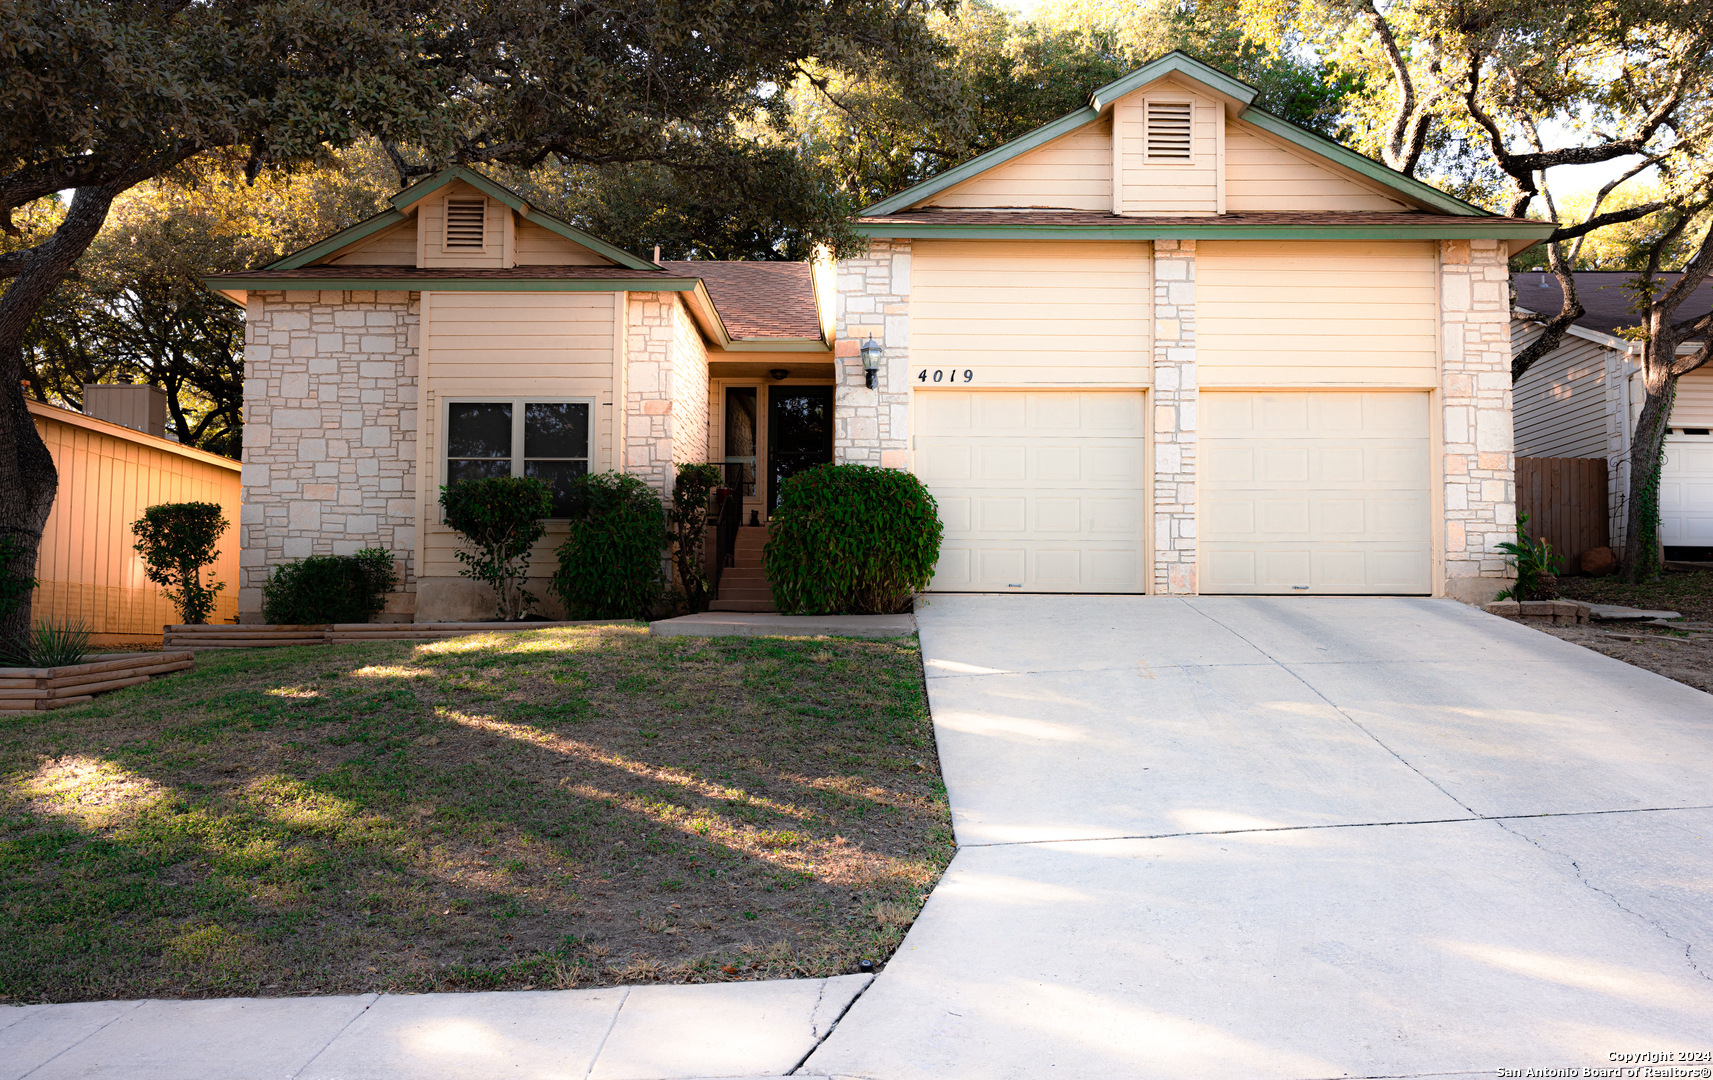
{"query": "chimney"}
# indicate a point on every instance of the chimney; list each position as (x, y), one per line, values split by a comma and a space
(657, 253)
(141, 408)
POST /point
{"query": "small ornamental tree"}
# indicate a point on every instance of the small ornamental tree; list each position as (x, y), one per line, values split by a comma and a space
(610, 564)
(851, 540)
(499, 519)
(176, 540)
(687, 524)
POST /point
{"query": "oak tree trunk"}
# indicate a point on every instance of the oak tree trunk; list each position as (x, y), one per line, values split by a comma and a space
(1641, 515)
(28, 479)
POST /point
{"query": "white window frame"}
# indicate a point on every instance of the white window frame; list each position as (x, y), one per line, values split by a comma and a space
(1169, 163)
(517, 404)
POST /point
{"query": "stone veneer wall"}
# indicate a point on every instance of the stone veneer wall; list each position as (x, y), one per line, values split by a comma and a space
(1475, 385)
(1174, 392)
(330, 421)
(872, 427)
(689, 389)
(650, 333)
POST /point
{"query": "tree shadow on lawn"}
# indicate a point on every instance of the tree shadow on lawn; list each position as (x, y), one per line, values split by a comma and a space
(562, 807)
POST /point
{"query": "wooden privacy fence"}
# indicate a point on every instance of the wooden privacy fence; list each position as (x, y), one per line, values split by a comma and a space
(1565, 499)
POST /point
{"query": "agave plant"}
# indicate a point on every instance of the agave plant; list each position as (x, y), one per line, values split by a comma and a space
(53, 645)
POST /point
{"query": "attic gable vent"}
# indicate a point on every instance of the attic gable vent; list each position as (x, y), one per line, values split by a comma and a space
(1168, 133)
(464, 223)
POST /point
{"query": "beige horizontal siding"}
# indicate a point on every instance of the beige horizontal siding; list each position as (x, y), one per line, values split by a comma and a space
(1153, 188)
(1290, 313)
(1261, 174)
(1073, 172)
(537, 246)
(1559, 405)
(391, 247)
(501, 345)
(1694, 404)
(1032, 313)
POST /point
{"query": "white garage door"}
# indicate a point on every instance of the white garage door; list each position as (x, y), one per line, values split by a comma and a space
(1039, 491)
(1314, 492)
(1686, 492)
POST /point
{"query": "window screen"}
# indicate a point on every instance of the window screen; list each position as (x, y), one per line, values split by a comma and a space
(548, 440)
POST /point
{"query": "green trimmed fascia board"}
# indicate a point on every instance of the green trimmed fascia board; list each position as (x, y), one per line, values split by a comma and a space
(344, 237)
(332, 281)
(423, 188)
(1364, 166)
(1173, 63)
(1439, 228)
(1046, 133)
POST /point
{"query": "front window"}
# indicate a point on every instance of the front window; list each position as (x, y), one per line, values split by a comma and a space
(548, 440)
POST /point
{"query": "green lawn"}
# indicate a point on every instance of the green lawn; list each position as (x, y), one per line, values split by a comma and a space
(562, 807)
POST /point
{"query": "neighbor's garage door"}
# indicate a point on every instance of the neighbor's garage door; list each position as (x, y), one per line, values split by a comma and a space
(1686, 492)
(1314, 492)
(1039, 491)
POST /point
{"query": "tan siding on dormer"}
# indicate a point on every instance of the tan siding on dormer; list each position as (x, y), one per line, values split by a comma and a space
(1073, 172)
(1156, 188)
(1261, 174)
(431, 250)
(537, 246)
(393, 247)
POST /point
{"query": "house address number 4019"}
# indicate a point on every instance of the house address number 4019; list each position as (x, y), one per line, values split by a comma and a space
(945, 375)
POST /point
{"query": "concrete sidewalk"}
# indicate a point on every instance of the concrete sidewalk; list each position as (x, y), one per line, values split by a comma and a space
(1296, 838)
(626, 1033)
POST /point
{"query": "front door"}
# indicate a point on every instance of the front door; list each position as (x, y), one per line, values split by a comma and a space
(799, 433)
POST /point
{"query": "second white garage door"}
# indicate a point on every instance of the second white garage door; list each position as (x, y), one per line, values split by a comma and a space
(1686, 492)
(1039, 491)
(1314, 492)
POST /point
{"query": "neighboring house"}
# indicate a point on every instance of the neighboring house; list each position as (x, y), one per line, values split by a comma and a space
(112, 466)
(1168, 343)
(1583, 400)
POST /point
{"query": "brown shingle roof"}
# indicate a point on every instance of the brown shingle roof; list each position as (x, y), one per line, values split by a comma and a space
(447, 273)
(1603, 296)
(759, 299)
(948, 216)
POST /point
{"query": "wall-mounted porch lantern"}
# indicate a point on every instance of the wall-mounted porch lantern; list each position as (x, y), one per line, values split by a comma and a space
(871, 354)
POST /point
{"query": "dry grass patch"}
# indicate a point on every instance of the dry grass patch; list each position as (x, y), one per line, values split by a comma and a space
(565, 807)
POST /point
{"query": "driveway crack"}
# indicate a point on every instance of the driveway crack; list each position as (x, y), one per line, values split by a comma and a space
(1588, 883)
(834, 1026)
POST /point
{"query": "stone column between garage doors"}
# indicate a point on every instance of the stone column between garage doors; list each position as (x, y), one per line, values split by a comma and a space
(1174, 416)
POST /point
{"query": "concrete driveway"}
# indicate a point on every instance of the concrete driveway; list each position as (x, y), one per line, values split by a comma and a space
(1224, 837)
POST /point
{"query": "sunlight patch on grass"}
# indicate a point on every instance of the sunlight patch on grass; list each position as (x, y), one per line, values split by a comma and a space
(391, 671)
(295, 692)
(90, 793)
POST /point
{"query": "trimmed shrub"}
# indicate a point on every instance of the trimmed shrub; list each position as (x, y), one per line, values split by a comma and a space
(688, 523)
(330, 588)
(609, 567)
(499, 518)
(176, 540)
(851, 540)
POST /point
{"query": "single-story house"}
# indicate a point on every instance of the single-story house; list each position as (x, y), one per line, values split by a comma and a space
(1582, 400)
(1167, 343)
(114, 462)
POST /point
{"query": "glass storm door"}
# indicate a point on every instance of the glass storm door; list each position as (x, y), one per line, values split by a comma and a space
(799, 433)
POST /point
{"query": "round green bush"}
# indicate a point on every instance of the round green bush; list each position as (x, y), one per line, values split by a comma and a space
(329, 588)
(610, 564)
(851, 540)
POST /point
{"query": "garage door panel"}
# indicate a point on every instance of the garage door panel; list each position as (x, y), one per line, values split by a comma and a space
(1056, 493)
(1309, 492)
(1686, 492)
